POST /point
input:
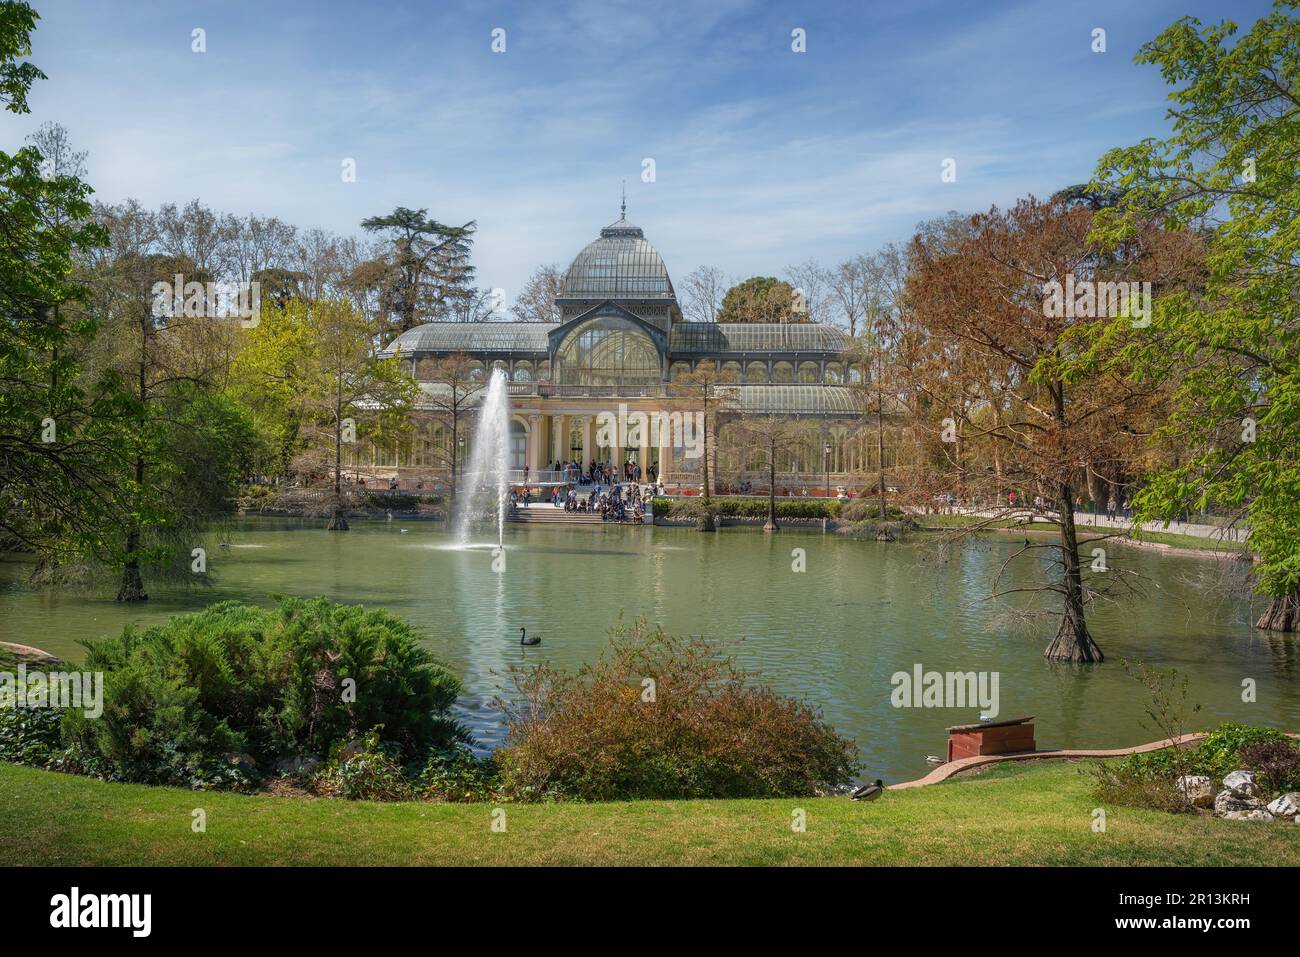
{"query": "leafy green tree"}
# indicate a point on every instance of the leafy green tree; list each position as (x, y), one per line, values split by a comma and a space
(1232, 349)
(58, 445)
(429, 268)
(312, 369)
(759, 299)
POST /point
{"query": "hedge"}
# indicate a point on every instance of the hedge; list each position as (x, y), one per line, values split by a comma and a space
(731, 507)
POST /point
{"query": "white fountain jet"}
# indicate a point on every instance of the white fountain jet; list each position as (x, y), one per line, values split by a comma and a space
(489, 462)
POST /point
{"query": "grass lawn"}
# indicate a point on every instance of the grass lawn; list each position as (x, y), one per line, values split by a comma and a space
(1027, 814)
(944, 522)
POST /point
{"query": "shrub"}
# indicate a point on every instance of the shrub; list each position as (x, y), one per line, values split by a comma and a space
(705, 731)
(368, 771)
(868, 510)
(29, 735)
(1147, 780)
(805, 508)
(1135, 784)
(1278, 764)
(1221, 751)
(456, 775)
(246, 686)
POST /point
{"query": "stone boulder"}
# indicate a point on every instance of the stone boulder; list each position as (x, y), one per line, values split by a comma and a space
(1255, 815)
(1198, 789)
(1287, 805)
(297, 764)
(1242, 784)
(1227, 804)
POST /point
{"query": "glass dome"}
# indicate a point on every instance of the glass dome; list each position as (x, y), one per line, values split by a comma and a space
(607, 351)
(618, 265)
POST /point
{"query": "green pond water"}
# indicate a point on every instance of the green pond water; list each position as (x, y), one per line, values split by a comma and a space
(834, 634)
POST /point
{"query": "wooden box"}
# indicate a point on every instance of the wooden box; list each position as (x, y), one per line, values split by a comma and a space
(990, 737)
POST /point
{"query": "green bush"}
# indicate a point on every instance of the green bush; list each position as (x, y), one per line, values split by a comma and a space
(728, 507)
(398, 501)
(30, 735)
(368, 771)
(1132, 784)
(240, 687)
(456, 775)
(1147, 780)
(868, 510)
(1219, 753)
(706, 732)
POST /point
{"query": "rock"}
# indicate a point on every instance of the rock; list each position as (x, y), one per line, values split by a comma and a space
(1255, 815)
(297, 764)
(1227, 803)
(1287, 805)
(1242, 784)
(241, 760)
(1198, 789)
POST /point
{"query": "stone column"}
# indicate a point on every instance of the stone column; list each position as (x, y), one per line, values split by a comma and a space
(588, 442)
(533, 454)
(665, 448)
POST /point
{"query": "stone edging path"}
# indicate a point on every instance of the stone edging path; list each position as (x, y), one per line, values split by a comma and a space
(27, 653)
(953, 768)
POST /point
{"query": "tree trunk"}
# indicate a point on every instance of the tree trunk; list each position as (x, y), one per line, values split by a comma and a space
(455, 439)
(337, 522)
(1282, 613)
(706, 523)
(771, 491)
(1072, 641)
(880, 451)
(132, 588)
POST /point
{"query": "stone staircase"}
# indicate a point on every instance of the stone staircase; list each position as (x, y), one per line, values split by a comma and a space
(549, 514)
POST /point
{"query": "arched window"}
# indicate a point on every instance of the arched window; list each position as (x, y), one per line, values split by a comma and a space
(809, 373)
(476, 372)
(733, 368)
(523, 371)
(678, 370)
(607, 351)
(834, 373)
(782, 373)
(756, 374)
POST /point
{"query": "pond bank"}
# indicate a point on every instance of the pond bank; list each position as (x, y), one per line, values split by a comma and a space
(1010, 815)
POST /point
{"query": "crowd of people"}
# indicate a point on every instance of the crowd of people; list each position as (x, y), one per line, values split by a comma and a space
(599, 488)
(603, 473)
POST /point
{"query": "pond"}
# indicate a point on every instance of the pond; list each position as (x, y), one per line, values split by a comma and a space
(834, 634)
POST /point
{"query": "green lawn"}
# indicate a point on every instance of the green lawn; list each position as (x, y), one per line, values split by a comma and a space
(1030, 814)
(939, 523)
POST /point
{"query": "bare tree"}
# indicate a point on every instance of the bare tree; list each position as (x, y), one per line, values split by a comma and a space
(453, 396)
(58, 156)
(702, 293)
(813, 286)
(769, 435)
(707, 389)
(536, 300)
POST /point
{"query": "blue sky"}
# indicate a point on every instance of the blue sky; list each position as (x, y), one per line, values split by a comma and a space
(763, 157)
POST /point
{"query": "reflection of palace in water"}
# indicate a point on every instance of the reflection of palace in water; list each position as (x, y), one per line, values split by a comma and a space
(621, 341)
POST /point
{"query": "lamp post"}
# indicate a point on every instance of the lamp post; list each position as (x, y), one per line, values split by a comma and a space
(826, 461)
